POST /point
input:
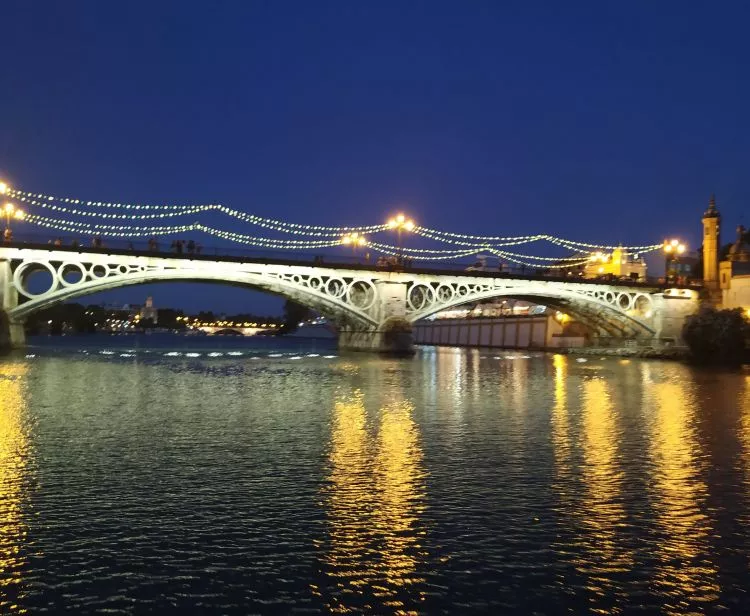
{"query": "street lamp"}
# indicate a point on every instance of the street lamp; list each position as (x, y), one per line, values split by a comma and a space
(354, 240)
(672, 250)
(399, 223)
(11, 211)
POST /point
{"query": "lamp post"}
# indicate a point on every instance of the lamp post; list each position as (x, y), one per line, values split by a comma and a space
(354, 240)
(672, 250)
(399, 223)
(11, 211)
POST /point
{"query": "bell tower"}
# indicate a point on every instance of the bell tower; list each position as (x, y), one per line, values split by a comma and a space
(711, 243)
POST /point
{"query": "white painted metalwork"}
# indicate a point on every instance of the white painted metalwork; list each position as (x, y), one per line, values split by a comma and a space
(350, 297)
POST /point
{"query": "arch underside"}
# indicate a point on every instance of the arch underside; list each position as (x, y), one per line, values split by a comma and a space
(333, 308)
(602, 318)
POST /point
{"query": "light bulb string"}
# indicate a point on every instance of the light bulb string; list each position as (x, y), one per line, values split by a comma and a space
(319, 231)
(508, 257)
(51, 202)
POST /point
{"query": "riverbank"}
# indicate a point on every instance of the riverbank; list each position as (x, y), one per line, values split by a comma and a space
(671, 354)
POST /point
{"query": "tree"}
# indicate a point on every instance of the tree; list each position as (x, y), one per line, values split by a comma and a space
(717, 336)
(167, 317)
(294, 314)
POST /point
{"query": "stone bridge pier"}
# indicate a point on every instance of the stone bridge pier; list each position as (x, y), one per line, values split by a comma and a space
(393, 332)
(12, 335)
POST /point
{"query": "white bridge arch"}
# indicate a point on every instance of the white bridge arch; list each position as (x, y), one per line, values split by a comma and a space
(359, 299)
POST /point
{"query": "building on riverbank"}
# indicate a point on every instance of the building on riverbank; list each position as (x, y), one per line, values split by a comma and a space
(505, 324)
(727, 280)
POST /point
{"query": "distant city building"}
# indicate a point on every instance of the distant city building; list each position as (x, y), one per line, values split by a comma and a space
(728, 281)
(491, 309)
(619, 264)
(148, 311)
(683, 267)
(711, 244)
(734, 274)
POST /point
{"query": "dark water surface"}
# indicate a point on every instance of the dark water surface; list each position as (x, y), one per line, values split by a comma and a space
(181, 476)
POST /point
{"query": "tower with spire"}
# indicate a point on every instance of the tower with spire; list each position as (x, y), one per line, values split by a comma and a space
(711, 244)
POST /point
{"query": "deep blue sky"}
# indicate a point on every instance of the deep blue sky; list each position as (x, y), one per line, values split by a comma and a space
(597, 121)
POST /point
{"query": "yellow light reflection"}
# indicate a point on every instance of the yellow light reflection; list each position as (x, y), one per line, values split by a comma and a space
(744, 403)
(349, 499)
(14, 452)
(605, 552)
(685, 573)
(400, 485)
(374, 502)
(560, 423)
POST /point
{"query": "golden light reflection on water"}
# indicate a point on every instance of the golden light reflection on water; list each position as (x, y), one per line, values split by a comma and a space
(605, 552)
(374, 504)
(561, 446)
(684, 574)
(14, 452)
(744, 405)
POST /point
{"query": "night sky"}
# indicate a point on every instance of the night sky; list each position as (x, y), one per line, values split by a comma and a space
(595, 121)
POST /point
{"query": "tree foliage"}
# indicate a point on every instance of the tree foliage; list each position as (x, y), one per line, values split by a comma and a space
(717, 336)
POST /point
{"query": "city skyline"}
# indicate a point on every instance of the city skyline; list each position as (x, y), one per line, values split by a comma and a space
(581, 122)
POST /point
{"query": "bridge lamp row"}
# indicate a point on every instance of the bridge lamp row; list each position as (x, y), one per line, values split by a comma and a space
(354, 239)
(674, 247)
(401, 222)
(11, 211)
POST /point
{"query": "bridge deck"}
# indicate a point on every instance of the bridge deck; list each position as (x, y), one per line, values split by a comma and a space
(338, 262)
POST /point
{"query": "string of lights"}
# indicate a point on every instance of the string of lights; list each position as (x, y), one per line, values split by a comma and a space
(267, 242)
(577, 257)
(51, 201)
(309, 230)
(395, 252)
(192, 209)
(508, 257)
(573, 245)
(329, 235)
(108, 230)
(506, 241)
(419, 251)
(128, 231)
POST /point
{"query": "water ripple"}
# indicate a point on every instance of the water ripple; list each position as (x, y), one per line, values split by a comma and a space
(282, 481)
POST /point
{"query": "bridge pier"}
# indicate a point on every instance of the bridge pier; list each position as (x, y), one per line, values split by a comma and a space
(671, 308)
(394, 337)
(12, 334)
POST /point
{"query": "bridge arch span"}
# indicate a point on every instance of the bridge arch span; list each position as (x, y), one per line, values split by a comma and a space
(340, 297)
(619, 313)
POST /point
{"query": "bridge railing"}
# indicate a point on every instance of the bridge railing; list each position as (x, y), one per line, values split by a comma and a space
(360, 260)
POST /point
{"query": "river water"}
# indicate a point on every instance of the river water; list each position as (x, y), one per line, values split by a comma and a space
(187, 475)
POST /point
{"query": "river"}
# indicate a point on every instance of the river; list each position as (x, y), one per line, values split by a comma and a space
(175, 475)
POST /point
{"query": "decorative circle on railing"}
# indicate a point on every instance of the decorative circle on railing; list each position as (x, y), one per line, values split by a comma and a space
(625, 301)
(643, 305)
(123, 269)
(67, 268)
(444, 293)
(314, 282)
(420, 296)
(361, 293)
(335, 287)
(99, 271)
(462, 290)
(23, 273)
